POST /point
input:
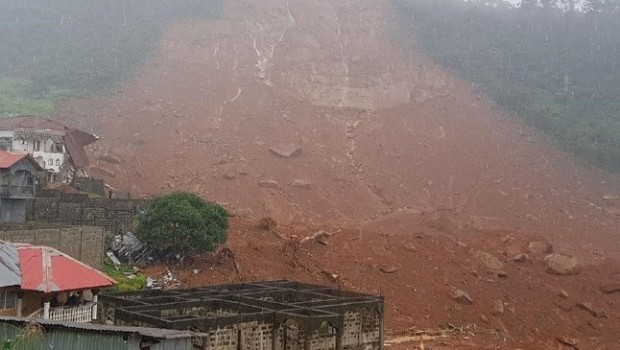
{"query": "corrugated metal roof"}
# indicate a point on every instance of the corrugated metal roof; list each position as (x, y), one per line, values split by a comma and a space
(155, 333)
(48, 270)
(10, 274)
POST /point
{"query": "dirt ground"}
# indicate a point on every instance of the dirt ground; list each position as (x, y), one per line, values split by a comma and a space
(316, 114)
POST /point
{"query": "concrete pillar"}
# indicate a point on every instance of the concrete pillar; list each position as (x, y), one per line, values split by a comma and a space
(46, 310)
(20, 303)
(381, 330)
(339, 334)
(95, 299)
(274, 336)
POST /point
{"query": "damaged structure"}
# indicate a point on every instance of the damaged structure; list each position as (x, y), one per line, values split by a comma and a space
(273, 315)
(57, 148)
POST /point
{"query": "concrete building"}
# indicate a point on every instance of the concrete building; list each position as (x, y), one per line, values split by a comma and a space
(17, 184)
(56, 147)
(274, 315)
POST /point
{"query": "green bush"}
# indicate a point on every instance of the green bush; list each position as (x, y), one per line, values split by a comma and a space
(128, 280)
(182, 223)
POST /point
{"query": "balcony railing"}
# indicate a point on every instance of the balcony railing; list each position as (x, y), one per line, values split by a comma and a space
(81, 313)
(16, 191)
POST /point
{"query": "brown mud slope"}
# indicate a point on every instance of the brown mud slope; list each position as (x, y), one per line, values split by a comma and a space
(515, 302)
(308, 112)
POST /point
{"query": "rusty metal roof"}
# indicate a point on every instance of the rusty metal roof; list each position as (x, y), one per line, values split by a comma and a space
(10, 274)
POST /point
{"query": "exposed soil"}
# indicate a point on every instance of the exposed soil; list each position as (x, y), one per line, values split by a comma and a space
(313, 113)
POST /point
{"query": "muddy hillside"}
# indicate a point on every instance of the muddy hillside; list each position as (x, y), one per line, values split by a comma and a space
(315, 114)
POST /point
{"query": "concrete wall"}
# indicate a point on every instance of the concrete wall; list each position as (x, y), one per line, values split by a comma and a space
(12, 210)
(85, 243)
(114, 215)
(89, 185)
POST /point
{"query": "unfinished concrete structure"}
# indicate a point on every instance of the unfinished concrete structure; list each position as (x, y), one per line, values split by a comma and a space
(274, 315)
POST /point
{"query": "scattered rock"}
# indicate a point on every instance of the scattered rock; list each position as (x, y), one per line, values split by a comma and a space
(410, 247)
(540, 248)
(609, 287)
(229, 176)
(484, 318)
(297, 183)
(389, 269)
(591, 310)
(462, 297)
(559, 264)
(269, 184)
(570, 341)
(489, 260)
(110, 159)
(498, 308)
(610, 197)
(502, 274)
(102, 170)
(521, 258)
(286, 150)
(563, 294)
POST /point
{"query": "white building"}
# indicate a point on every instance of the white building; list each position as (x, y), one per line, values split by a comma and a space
(57, 148)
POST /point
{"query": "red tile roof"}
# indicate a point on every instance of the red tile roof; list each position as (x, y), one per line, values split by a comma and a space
(47, 270)
(8, 159)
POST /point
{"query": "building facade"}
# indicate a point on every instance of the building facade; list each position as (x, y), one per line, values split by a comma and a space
(18, 173)
(56, 148)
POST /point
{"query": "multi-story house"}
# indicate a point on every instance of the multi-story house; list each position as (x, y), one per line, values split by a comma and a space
(57, 148)
(18, 172)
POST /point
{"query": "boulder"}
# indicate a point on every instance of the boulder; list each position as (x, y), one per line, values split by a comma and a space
(462, 297)
(609, 287)
(297, 183)
(268, 184)
(560, 264)
(498, 308)
(521, 258)
(286, 150)
(489, 260)
(540, 248)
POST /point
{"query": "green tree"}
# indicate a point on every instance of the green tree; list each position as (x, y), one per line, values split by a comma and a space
(182, 223)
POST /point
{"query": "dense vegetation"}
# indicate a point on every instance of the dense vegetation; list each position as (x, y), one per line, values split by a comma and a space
(182, 223)
(555, 65)
(53, 49)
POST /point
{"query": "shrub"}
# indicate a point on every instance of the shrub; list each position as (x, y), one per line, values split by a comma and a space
(182, 223)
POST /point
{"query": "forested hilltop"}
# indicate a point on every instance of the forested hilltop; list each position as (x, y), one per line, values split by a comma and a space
(53, 49)
(553, 62)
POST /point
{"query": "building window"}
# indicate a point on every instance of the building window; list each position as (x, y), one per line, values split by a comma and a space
(8, 299)
(58, 148)
(57, 162)
(50, 161)
(37, 146)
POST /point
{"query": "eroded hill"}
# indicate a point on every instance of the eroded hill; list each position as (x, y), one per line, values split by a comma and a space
(312, 113)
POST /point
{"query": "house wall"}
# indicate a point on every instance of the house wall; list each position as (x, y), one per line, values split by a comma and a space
(85, 243)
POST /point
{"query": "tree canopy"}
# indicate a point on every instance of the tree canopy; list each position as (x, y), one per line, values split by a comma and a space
(555, 63)
(182, 223)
